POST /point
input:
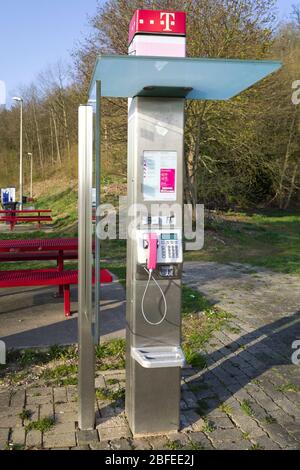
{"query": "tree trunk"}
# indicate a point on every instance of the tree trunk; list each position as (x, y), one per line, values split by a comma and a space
(56, 138)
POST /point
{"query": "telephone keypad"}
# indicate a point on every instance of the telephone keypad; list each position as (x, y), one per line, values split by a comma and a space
(169, 250)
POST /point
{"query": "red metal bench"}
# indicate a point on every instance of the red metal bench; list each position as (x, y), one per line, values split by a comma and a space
(14, 220)
(38, 256)
(13, 217)
(47, 277)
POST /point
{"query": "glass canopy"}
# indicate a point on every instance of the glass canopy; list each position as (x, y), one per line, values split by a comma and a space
(199, 79)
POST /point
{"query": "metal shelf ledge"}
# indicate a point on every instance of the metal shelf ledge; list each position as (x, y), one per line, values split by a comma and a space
(159, 357)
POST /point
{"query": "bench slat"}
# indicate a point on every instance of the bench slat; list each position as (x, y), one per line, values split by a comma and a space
(45, 277)
(26, 219)
(37, 256)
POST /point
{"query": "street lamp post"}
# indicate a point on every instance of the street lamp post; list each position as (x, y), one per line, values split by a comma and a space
(31, 168)
(20, 100)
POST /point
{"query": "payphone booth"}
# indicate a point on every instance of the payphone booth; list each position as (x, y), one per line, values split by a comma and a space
(157, 79)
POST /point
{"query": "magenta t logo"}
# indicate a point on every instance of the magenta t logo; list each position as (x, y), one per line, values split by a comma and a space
(170, 20)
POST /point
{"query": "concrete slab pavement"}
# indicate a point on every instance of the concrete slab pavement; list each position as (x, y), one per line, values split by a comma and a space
(34, 317)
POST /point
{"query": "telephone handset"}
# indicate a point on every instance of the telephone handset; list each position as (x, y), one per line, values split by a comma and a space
(152, 251)
(151, 244)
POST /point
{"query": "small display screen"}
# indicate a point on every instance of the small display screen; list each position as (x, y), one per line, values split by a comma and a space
(169, 236)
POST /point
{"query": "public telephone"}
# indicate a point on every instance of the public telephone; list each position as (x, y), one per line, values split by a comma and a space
(163, 244)
(157, 252)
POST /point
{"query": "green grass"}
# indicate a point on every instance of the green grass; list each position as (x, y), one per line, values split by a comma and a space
(270, 239)
(114, 251)
(194, 358)
(64, 208)
(208, 426)
(270, 420)
(198, 330)
(289, 387)
(193, 301)
(193, 445)
(42, 425)
(111, 355)
(174, 445)
(110, 395)
(58, 365)
(118, 270)
(29, 357)
(63, 374)
(225, 408)
(256, 447)
(246, 408)
(25, 415)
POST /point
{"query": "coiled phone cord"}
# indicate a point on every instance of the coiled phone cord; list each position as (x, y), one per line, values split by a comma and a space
(150, 272)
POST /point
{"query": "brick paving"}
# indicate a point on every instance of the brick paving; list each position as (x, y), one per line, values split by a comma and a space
(248, 397)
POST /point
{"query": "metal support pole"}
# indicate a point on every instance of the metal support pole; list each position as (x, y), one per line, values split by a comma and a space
(21, 154)
(31, 176)
(98, 202)
(31, 173)
(86, 382)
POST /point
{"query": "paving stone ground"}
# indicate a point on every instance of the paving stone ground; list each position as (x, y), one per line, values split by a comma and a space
(247, 398)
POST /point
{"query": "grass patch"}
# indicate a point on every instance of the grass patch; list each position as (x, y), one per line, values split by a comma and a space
(114, 251)
(256, 447)
(25, 415)
(42, 425)
(208, 426)
(174, 445)
(112, 381)
(198, 330)
(268, 239)
(63, 374)
(270, 420)
(195, 446)
(194, 358)
(246, 408)
(111, 355)
(289, 387)
(58, 366)
(233, 329)
(31, 357)
(110, 395)
(193, 301)
(225, 408)
(118, 270)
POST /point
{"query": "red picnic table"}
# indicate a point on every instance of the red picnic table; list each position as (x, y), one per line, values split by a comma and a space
(60, 245)
(25, 216)
(61, 248)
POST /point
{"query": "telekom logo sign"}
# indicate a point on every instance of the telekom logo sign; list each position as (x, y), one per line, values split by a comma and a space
(157, 22)
(169, 19)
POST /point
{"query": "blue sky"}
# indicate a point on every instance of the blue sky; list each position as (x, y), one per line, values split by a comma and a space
(37, 33)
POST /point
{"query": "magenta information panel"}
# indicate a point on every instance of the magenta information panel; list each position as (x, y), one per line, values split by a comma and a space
(167, 180)
(160, 173)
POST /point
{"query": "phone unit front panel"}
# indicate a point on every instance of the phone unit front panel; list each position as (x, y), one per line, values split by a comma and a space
(169, 249)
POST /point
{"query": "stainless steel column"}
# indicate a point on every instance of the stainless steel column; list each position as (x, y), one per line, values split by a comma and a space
(86, 383)
(97, 326)
(152, 395)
